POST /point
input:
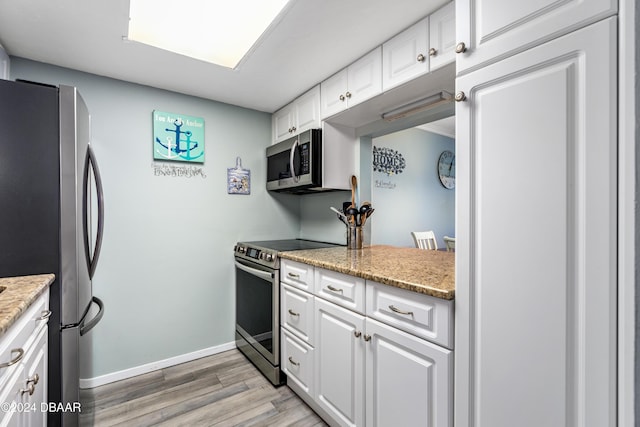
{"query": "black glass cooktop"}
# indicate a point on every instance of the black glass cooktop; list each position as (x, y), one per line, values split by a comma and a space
(290, 244)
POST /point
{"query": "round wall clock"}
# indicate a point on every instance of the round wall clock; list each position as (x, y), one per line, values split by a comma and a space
(447, 169)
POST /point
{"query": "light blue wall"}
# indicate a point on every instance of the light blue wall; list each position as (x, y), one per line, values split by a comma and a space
(418, 202)
(166, 269)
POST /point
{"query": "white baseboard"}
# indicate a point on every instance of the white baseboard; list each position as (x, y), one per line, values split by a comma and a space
(153, 366)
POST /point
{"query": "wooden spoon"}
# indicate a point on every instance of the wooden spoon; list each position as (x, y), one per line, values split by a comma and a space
(354, 186)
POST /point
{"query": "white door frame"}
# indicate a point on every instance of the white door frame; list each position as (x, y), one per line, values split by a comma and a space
(627, 212)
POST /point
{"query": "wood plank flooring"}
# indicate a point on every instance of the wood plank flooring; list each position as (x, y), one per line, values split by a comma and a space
(220, 390)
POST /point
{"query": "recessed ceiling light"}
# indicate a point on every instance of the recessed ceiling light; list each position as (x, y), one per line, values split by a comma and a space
(214, 31)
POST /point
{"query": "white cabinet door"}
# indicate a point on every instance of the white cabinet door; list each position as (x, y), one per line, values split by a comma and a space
(360, 81)
(282, 123)
(35, 378)
(307, 111)
(300, 115)
(364, 78)
(495, 29)
(442, 37)
(409, 380)
(536, 226)
(339, 358)
(406, 56)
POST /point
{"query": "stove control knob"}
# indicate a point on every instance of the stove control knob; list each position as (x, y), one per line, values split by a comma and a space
(241, 249)
(268, 257)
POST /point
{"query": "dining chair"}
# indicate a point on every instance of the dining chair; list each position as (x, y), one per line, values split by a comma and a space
(450, 243)
(425, 240)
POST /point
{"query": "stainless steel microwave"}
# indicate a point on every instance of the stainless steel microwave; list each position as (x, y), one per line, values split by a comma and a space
(295, 165)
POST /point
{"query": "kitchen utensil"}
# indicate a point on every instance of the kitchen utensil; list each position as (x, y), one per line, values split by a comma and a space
(352, 214)
(354, 186)
(342, 217)
(367, 214)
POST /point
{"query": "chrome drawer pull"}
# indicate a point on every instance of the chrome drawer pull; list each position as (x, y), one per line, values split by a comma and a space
(357, 334)
(332, 289)
(44, 315)
(367, 338)
(15, 359)
(294, 363)
(293, 313)
(30, 389)
(293, 275)
(395, 310)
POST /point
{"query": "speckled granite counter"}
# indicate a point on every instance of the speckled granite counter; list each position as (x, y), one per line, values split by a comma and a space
(426, 272)
(18, 294)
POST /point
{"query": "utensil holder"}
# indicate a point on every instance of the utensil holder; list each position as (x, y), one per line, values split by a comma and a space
(354, 237)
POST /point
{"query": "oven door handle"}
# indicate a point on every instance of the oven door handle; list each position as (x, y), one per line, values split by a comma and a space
(260, 273)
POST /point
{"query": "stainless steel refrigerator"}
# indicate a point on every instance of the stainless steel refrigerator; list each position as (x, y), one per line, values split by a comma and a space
(48, 224)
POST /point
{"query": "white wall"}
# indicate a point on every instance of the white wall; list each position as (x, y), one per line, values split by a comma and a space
(166, 269)
(417, 201)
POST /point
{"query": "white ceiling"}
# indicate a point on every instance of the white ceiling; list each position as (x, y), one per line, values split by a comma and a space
(315, 39)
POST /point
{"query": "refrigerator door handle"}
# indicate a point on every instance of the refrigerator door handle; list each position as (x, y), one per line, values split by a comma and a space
(86, 327)
(91, 164)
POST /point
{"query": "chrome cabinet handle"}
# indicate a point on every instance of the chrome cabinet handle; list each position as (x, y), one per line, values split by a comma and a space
(460, 96)
(15, 359)
(433, 51)
(341, 98)
(396, 310)
(421, 58)
(31, 385)
(461, 47)
(348, 94)
(293, 129)
(293, 275)
(293, 362)
(357, 334)
(30, 389)
(332, 289)
(293, 313)
(44, 315)
(367, 338)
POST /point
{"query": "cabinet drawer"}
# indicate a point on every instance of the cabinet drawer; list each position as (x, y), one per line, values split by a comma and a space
(418, 314)
(21, 335)
(297, 361)
(297, 274)
(296, 312)
(342, 289)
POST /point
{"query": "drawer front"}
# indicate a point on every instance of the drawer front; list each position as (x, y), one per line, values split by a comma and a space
(15, 343)
(418, 314)
(297, 361)
(297, 274)
(342, 289)
(296, 312)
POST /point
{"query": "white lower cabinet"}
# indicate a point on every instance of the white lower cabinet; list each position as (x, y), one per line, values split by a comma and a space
(409, 380)
(357, 371)
(340, 366)
(23, 369)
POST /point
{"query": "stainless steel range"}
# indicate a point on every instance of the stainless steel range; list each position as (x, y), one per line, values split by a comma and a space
(258, 301)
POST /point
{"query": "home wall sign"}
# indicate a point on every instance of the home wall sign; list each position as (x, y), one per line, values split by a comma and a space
(388, 161)
(174, 171)
(177, 137)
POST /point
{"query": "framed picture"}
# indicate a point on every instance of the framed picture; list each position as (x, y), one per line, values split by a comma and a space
(177, 137)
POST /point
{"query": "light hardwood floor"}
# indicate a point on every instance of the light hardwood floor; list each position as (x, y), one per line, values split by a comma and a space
(220, 390)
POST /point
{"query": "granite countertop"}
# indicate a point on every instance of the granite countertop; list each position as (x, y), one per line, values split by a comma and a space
(418, 270)
(18, 294)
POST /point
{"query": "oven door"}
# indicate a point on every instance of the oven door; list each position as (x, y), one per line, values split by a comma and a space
(257, 308)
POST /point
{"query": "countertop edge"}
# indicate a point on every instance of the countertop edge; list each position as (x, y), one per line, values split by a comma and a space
(448, 294)
(19, 294)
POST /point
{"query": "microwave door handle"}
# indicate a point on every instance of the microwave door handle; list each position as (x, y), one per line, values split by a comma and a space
(291, 157)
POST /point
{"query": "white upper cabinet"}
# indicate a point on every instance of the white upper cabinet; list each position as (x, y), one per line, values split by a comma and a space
(406, 56)
(4, 64)
(300, 115)
(358, 82)
(442, 37)
(536, 206)
(492, 30)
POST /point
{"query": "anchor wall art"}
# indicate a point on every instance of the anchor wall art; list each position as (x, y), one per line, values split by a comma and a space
(177, 137)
